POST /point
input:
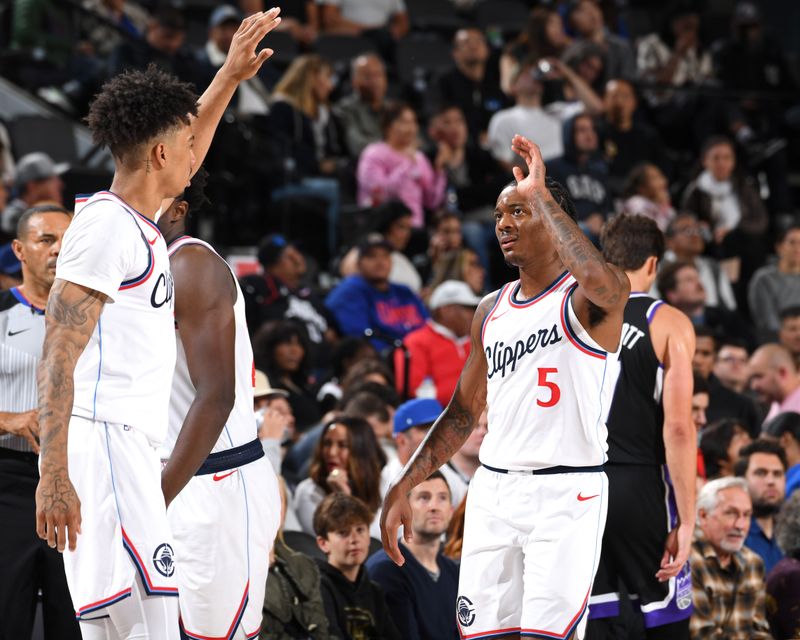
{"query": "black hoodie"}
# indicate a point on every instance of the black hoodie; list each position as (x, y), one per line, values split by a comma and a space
(355, 610)
(587, 182)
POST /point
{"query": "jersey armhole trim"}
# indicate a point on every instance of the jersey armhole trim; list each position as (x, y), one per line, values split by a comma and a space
(492, 310)
(570, 332)
(651, 310)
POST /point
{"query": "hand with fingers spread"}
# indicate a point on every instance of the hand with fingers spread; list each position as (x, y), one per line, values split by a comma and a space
(676, 552)
(244, 60)
(25, 425)
(396, 513)
(58, 509)
(533, 183)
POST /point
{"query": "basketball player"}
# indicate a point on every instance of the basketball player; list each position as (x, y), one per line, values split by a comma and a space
(109, 351)
(544, 359)
(652, 451)
(225, 519)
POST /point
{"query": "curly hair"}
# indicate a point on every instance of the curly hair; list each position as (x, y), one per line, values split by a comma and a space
(559, 192)
(136, 106)
(787, 528)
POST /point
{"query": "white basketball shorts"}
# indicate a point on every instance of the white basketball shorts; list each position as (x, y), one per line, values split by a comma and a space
(531, 550)
(124, 528)
(224, 525)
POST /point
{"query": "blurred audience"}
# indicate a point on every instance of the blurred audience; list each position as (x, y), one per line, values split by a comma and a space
(360, 110)
(730, 366)
(37, 180)
(775, 379)
(783, 582)
(720, 444)
(789, 332)
(646, 193)
(785, 430)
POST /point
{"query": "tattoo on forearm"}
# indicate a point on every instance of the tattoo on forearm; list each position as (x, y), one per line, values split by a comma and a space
(574, 248)
(442, 441)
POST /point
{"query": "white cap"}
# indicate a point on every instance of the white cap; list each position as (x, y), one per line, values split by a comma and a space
(264, 389)
(453, 292)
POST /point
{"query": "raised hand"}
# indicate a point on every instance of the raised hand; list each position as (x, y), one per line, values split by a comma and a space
(533, 183)
(243, 60)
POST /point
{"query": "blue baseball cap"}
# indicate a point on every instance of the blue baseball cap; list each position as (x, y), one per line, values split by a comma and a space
(416, 412)
(9, 265)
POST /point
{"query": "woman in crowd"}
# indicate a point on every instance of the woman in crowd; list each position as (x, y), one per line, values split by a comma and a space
(461, 264)
(396, 169)
(281, 351)
(728, 204)
(347, 458)
(720, 444)
(646, 193)
(349, 351)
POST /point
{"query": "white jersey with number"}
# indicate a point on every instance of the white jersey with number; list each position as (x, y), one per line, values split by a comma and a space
(123, 375)
(240, 428)
(549, 384)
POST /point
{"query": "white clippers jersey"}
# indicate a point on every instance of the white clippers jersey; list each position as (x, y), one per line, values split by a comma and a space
(240, 428)
(549, 385)
(123, 375)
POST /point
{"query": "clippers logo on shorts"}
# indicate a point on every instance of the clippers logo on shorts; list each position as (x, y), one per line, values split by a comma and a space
(164, 560)
(466, 611)
(502, 356)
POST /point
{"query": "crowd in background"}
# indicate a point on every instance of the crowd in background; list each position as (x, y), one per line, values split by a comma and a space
(366, 191)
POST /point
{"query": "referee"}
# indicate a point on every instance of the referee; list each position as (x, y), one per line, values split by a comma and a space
(28, 564)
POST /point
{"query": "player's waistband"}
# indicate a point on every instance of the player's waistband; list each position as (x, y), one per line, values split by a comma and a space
(548, 471)
(232, 458)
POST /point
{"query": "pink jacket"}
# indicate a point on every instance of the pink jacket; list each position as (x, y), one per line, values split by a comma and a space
(384, 174)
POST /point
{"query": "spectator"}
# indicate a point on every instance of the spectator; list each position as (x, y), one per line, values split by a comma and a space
(727, 578)
(528, 118)
(293, 606)
(473, 84)
(699, 406)
(462, 264)
(785, 429)
(280, 294)
(347, 459)
(354, 605)
(720, 444)
(473, 176)
(789, 332)
(28, 563)
(585, 18)
(364, 17)
(783, 582)
(396, 169)
(626, 142)
(776, 287)
(252, 97)
(426, 586)
(587, 60)
(274, 419)
(730, 366)
(646, 193)
(543, 37)
(369, 301)
(686, 242)
(10, 269)
(38, 179)
(348, 352)
(377, 411)
(281, 350)
(729, 205)
(763, 465)
(162, 46)
(127, 18)
(775, 379)
(371, 370)
(412, 420)
(584, 172)
(459, 470)
(438, 350)
(722, 402)
(360, 111)
(447, 235)
(679, 284)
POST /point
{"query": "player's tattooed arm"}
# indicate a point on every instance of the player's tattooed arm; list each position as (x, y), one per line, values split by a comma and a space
(445, 437)
(604, 285)
(70, 319)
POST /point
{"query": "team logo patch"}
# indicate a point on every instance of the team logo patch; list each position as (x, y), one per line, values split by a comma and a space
(164, 560)
(683, 588)
(465, 610)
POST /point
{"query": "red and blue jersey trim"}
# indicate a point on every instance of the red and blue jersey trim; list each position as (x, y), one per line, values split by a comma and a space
(100, 604)
(551, 635)
(144, 276)
(488, 634)
(539, 296)
(491, 311)
(83, 197)
(570, 332)
(150, 588)
(237, 620)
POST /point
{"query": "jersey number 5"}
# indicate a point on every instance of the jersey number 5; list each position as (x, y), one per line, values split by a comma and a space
(555, 392)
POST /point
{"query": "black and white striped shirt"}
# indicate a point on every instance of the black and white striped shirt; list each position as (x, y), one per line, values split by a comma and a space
(21, 340)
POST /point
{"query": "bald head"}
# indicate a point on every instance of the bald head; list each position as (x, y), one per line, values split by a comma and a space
(773, 373)
(368, 77)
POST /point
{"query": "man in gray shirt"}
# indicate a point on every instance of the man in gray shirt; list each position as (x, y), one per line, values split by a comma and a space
(360, 112)
(28, 564)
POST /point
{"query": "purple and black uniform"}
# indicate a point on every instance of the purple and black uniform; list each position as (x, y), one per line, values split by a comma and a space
(641, 505)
